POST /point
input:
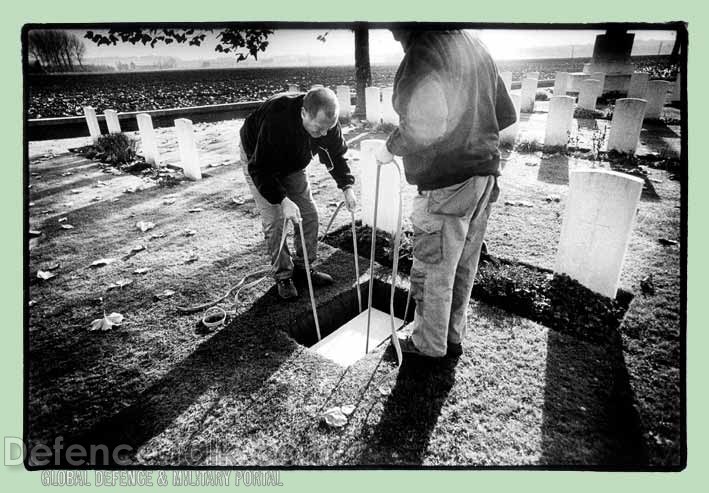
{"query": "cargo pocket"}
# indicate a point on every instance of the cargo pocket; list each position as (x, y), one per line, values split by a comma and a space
(428, 241)
(418, 281)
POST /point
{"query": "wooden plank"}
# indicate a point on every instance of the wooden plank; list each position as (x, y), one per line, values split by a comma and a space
(347, 344)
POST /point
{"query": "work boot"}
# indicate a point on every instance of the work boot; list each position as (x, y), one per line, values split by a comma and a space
(455, 349)
(286, 289)
(408, 348)
(319, 278)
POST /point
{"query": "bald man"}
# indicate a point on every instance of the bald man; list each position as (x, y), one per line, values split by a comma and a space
(278, 140)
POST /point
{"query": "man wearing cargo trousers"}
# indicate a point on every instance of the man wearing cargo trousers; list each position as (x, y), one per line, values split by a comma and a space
(278, 140)
(452, 104)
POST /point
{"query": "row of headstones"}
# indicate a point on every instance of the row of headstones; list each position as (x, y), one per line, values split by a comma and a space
(185, 138)
(628, 115)
(379, 108)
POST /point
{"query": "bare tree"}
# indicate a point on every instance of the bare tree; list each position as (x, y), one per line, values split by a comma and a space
(55, 49)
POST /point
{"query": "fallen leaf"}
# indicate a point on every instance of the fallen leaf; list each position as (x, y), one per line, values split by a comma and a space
(155, 236)
(96, 199)
(31, 204)
(347, 410)
(67, 226)
(142, 270)
(31, 303)
(190, 232)
(34, 233)
(238, 200)
(165, 294)
(145, 225)
(335, 418)
(68, 173)
(102, 261)
(52, 266)
(62, 219)
(119, 284)
(385, 390)
(138, 248)
(169, 201)
(75, 191)
(101, 183)
(193, 258)
(107, 322)
(44, 275)
(130, 190)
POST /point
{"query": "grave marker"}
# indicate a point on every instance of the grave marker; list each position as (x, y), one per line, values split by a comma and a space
(507, 79)
(638, 85)
(589, 94)
(626, 125)
(561, 83)
(92, 122)
(389, 186)
(388, 113)
(559, 120)
(345, 101)
(600, 210)
(374, 104)
(188, 149)
(148, 140)
(656, 96)
(508, 135)
(529, 92)
(114, 126)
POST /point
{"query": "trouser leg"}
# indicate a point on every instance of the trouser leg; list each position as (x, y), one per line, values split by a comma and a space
(272, 223)
(466, 271)
(444, 247)
(298, 190)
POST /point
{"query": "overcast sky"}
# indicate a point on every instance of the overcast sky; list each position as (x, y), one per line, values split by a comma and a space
(503, 44)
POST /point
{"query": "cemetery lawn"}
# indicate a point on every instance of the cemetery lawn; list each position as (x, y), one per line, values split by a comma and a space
(248, 394)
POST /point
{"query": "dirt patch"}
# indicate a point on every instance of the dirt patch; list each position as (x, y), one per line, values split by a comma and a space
(538, 294)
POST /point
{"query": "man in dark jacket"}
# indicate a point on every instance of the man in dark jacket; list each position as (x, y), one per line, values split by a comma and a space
(278, 140)
(452, 103)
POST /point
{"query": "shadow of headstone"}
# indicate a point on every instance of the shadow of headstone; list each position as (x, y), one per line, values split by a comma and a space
(554, 169)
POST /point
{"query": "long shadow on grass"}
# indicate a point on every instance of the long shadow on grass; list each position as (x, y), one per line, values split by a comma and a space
(230, 361)
(236, 361)
(410, 413)
(589, 418)
(554, 170)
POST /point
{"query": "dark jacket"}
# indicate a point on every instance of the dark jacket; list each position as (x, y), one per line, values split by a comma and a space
(452, 103)
(276, 145)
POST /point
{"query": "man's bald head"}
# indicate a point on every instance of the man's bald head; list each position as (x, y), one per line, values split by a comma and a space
(321, 98)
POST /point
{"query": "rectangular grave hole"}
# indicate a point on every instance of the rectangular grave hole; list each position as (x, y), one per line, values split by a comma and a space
(553, 300)
(343, 308)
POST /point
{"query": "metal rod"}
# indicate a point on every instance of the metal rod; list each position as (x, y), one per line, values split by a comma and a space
(310, 282)
(371, 256)
(395, 269)
(356, 262)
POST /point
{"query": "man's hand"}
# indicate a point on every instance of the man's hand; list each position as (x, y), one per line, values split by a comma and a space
(350, 199)
(383, 156)
(290, 211)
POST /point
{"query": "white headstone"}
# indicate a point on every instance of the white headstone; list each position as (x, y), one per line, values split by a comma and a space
(315, 86)
(374, 104)
(148, 140)
(92, 122)
(529, 92)
(188, 149)
(561, 83)
(389, 186)
(656, 96)
(114, 126)
(598, 220)
(589, 94)
(676, 89)
(345, 100)
(293, 88)
(532, 75)
(600, 77)
(388, 113)
(507, 79)
(559, 120)
(626, 125)
(638, 85)
(509, 135)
